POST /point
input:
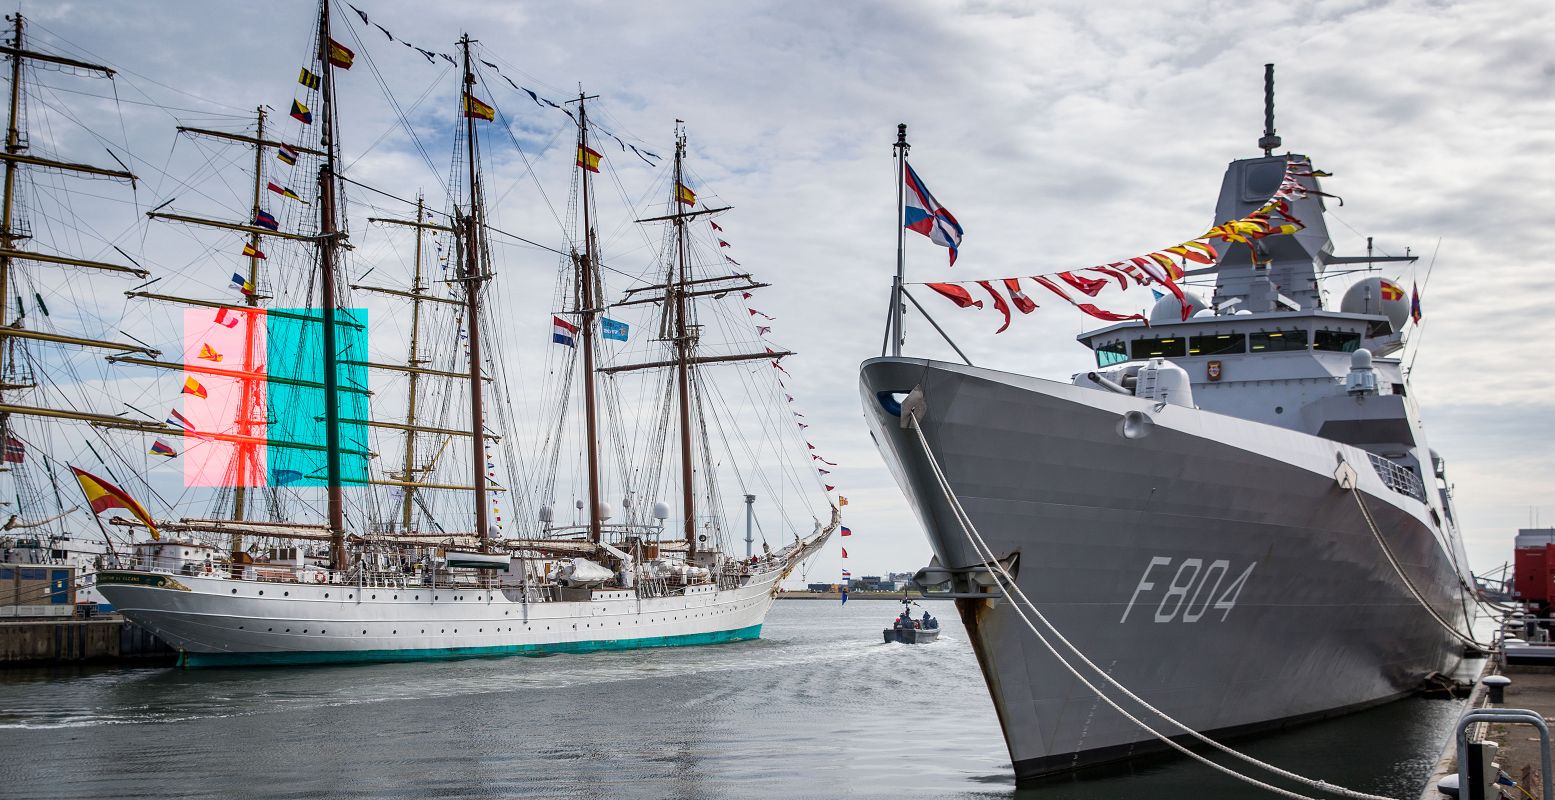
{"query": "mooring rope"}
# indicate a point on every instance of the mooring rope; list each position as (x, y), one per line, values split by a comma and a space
(1387, 551)
(985, 554)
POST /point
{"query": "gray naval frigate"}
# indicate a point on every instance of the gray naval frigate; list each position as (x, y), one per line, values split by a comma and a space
(1236, 516)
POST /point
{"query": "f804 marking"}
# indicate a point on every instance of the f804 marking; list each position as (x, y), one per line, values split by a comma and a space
(1193, 591)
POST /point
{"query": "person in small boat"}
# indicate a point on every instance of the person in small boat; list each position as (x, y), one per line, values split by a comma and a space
(928, 621)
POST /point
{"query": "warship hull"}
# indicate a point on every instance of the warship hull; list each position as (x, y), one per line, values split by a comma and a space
(1212, 565)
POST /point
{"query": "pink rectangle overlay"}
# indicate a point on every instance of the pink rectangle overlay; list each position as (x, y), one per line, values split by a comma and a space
(224, 359)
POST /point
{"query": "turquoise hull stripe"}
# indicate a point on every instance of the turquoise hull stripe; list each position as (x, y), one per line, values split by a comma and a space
(438, 653)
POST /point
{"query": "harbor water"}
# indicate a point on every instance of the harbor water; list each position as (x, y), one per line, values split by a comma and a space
(818, 707)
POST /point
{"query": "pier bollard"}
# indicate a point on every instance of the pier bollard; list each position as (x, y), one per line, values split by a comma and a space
(1496, 685)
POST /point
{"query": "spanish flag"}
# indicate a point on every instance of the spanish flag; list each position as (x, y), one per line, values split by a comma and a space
(588, 158)
(340, 55)
(301, 113)
(209, 353)
(684, 194)
(308, 79)
(102, 495)
(474, 108)
(253, 252)
(192, 386)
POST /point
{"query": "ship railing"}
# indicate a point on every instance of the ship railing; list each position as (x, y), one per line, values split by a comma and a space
(1397, 477)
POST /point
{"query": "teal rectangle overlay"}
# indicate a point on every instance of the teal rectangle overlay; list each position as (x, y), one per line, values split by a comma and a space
(295, 396)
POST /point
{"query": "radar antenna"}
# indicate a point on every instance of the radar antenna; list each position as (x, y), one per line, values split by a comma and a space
(1269, 140)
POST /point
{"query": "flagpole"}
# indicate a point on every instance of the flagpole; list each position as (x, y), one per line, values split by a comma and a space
(894, 324)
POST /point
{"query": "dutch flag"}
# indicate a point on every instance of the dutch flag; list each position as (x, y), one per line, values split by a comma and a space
(926, 216)
(563, 332)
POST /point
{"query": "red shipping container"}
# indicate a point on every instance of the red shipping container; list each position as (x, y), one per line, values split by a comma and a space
(1534, 578)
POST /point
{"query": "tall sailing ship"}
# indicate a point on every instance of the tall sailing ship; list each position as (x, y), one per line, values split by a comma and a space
(1235, 516)
(413, 561)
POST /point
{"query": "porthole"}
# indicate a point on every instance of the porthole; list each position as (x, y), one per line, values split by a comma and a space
(324, 631)
(349, 596)
(326, 595)
(364, 631)
(374, 597)
(234, 591)
(261, 592)
(269, 630)
(288, 630)
(286, 594)
(394, 631)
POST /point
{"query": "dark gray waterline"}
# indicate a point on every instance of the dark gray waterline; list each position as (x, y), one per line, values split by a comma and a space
(817, 707)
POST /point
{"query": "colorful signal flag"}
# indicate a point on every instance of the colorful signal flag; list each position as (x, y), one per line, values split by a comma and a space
(192, 386)
(308, 79)
(301, 113)
(161, 448)
(286, 155)
(209, 353)
(252, 251)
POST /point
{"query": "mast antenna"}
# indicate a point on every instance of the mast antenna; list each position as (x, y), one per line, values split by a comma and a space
(894, 319)
(1269, 140)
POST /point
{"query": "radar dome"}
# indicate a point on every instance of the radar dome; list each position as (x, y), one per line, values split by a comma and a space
(1378, 296)
(1167, 309)
(661, 511)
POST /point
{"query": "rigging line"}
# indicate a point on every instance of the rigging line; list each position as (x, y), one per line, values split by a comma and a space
(35, 25)
(1007, 584)
(164, 108)
(1420, 330)
(399, 113)
(529, 170)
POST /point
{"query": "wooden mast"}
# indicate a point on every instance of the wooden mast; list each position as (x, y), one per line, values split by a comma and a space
(13, 138)
(247, 398)
(328, 302)
(683, 347)
(471, 279)
(14, 156)
(586, 313)
(407, 504)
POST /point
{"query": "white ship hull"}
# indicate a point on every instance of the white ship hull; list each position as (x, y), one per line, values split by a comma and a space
(215, 621)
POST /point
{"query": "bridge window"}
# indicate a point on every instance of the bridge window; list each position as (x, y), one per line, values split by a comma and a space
(1336, 341)
(1173, 347)
(1272, 341)
(1111, 353)
(1217, 344)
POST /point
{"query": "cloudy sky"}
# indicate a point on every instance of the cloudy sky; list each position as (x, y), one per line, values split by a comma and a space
(1061, 134)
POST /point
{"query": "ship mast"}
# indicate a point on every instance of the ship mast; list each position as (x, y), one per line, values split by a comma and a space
(245, 453)
(683, 346)
(407, 502)
(586, 314)
(15, 156)
(328, 302)
(471, 278)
